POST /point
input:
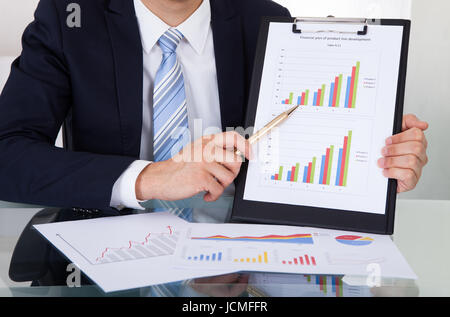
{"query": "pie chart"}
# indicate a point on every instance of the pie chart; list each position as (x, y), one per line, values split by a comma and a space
(354, 240)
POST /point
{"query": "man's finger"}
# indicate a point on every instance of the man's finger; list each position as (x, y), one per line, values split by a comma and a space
(406, 148)
(233, 140)
(213, 188)
(411, 121)
(404, 162)
(413, 134)
(406, 177)
(221, 173)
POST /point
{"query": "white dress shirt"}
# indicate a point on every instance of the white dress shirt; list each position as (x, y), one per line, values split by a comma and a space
(196, 56)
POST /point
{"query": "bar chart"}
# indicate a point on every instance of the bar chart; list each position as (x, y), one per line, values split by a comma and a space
(330, 95)
(319, 169)
(303, 260)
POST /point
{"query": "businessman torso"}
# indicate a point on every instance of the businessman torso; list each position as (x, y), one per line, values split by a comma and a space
(92, 76)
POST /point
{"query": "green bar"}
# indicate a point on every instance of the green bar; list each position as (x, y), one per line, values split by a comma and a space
(338, 99)
(313, 169)
(355, 88)
(280, 174)
(347, 157)
(291, 98)
(308, 278)
(322, 96)
(341, 288)
(306, 97)
(330, 162)
(297, 168)
(324, 284)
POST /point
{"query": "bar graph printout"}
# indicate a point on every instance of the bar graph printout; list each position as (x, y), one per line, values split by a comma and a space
(283, 249)
(123, 252)
(326, 154)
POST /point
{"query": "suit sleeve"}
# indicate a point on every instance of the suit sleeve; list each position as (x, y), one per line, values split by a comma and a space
(33, 106)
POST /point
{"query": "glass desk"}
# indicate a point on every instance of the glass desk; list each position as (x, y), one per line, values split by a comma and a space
(421, 233)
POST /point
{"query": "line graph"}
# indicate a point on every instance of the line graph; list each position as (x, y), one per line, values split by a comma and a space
(154, 244)
(293, 238)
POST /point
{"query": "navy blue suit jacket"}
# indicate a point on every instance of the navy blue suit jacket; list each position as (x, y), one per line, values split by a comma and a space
(92, 77)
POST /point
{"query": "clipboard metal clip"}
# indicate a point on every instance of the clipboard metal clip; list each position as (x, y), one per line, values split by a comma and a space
(363, 22)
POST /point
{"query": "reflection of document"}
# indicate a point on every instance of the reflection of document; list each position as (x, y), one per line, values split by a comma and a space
(289, 250)
(125, 252)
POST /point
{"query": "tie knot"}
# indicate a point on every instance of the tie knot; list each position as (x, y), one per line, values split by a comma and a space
(169, 41)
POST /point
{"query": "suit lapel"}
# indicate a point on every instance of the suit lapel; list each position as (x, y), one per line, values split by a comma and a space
(229, 53)
(127, 51)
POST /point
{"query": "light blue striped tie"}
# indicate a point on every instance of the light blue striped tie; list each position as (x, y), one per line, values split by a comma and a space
(170, 116)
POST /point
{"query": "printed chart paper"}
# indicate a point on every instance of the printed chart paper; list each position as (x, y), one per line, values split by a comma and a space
(285, 249)
(326, 154)
(126, 252)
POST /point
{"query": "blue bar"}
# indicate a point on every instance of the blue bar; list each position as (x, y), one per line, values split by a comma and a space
(299, 100)
(317, 279)
(282, 102)
(289, 176)
(333, 283)
(220, 256)
(338, 175)
(331, 95)
(195, 258)
(322, 169)
(315, 99)
(189, 258)
(273, 177)
(213, 257)
(305, 174)
(207, 258)
(347, 95)
(201, 257)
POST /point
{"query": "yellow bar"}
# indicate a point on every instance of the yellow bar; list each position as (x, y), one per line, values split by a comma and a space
(265, 258)
(259, 259)
(254, 260)
(236, 260)
(242, 260)
(248, 260)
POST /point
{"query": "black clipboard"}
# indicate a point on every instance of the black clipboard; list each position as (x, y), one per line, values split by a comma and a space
(246, 211)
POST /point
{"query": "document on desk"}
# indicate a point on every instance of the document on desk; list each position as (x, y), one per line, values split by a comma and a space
(119, 253)
(286, 249)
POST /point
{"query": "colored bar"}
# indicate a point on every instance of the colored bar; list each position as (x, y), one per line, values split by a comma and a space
(259, 259)
(325, 172)
(335, 90)
(315, 99)
(347, 157)
(195, 258)
(355, 87)
(290, 262)
(338, 174)
(306, 97)
(333, 284)
(313, 170)
(347, 95)
(301, 260)
(272, 177)
(306, 259)
(280, 173)
(276, 177)
(322, 168)
(219, 258)
(266, 260)
(293, 171)
(338, 98)
(324, 279)
(319, 98)
(213, 258)
(302, 99)
(291, 98)
(321, 282)
(283, 102)
(330, 103)
(207, 258)
(308, 179)
(288, 178)
(313, 261)
(248, 260)
(297, 169)
(322, 95)
(305, 175)
(344, 155)
(299, 100)
(330, 163)
(295, 261)
(352, 88)
(201, 257)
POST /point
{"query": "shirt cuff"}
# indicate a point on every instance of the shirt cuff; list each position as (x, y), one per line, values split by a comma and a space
(124, 189)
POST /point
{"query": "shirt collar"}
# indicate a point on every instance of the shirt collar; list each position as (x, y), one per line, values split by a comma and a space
(195, 29)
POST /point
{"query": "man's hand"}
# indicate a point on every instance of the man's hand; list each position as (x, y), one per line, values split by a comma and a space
(206, 165)
(230, 285)
(405, 154)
